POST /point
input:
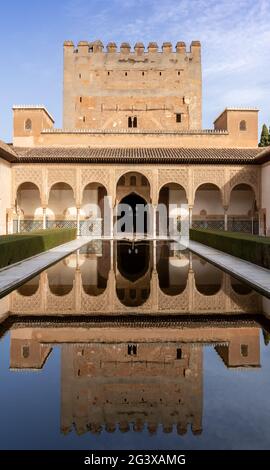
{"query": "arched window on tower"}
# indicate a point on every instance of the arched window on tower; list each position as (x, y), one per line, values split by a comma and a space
(28, 125)
(243, 125)
(132, 121)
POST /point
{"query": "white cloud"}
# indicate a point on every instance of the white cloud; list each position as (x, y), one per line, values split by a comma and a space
(235, 38)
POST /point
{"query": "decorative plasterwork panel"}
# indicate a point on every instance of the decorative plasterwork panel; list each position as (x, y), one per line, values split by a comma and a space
(62, 175)
(173, 175)
(27, 174)
(95, 175)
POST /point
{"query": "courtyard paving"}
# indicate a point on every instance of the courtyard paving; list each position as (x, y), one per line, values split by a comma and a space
(256, 276)
(18, 273)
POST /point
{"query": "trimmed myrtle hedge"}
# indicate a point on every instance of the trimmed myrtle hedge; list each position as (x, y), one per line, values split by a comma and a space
(252, 248)
(14, 248)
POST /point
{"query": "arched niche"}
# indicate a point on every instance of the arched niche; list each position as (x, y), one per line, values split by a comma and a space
(208, 210)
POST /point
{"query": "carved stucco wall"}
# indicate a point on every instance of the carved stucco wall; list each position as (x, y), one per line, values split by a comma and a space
(190, 177)
(225, 301)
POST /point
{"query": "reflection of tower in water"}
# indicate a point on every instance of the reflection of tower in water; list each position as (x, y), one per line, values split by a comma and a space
(131, 377)
(129, 386)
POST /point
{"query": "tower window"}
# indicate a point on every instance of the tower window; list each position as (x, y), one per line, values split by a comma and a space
(178, 353)
(143, 74)
(126, 74)
(80, 75)
(178, 117)
(132, 121)
(243, 126)
(83, 118)
(108, 73)
(25, 352)
(178, 73)
(244, 350)
(80, 99)
(28, 125)
(160, 73)
(132, 350)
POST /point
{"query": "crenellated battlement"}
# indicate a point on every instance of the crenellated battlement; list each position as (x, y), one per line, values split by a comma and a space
(132, 85)
(125, 48)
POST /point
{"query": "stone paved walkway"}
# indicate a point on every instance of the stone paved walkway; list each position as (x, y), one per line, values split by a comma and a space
(17, 274)
(255, 276)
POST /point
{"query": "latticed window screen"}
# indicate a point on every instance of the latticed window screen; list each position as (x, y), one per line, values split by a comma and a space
(28, 125)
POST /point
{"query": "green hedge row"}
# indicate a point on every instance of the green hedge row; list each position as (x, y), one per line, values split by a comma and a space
(14, 248)
(252, 248)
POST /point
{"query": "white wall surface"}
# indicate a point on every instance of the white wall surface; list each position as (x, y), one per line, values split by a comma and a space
(5, 193)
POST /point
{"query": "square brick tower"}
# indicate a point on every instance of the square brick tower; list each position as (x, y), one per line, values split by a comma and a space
(132, 89)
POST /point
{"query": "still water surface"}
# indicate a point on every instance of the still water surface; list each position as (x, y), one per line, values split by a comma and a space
(134, 346)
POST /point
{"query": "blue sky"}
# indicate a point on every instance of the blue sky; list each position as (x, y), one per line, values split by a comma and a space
(235, 37)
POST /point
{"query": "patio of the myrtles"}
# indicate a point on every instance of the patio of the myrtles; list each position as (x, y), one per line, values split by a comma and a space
(233, 206)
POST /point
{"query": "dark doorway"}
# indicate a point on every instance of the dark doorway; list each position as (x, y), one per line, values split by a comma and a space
(137, 214)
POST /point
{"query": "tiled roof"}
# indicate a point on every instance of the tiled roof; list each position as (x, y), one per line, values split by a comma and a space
(264, 155)
(136, 155)
(7, 152)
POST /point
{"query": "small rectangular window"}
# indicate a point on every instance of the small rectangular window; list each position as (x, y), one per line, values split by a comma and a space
(178, 117)
(178, 353)
(244, 350)
(25, 352)
(80, 99)
(84, 119)
(80, 75)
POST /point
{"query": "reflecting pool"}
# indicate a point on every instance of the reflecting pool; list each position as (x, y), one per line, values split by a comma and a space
(134, 346)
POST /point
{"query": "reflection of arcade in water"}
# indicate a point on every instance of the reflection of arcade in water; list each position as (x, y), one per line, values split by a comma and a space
(128, 378)
(133, 270)
(137, 276)
(124, 277)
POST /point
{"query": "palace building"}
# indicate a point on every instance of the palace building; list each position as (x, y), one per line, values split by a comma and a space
(132, 131)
